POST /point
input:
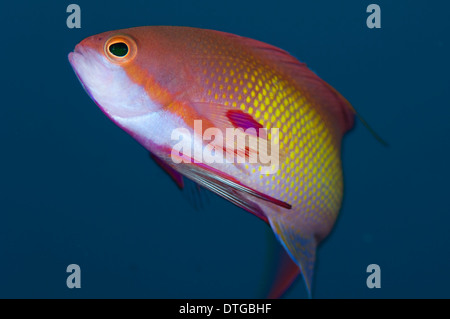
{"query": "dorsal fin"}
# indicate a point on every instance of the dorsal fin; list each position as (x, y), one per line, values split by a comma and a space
(326, 95)
(303, 78)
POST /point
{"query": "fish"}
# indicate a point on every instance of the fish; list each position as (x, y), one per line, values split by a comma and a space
(178, 91)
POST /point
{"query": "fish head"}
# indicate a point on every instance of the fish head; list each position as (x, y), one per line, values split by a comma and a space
(101, 64)
(132, 74)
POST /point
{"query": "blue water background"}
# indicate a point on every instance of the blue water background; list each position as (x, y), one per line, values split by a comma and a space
(74, 188)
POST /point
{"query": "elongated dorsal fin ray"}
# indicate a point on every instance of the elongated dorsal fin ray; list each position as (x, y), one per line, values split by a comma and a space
(305, 80)
(371, 130)
(360, 118)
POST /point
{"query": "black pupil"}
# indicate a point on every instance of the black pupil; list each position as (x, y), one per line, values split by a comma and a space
(118, 49)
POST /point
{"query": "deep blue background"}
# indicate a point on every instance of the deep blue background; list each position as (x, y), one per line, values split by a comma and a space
(76, 189)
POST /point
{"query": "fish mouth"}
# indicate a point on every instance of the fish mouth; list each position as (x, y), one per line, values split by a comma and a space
(73, 54)
(108, 85)
(75, 58)
(72, 64)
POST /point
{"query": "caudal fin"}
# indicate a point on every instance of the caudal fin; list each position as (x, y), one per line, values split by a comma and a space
(300, 247)
(286, 273)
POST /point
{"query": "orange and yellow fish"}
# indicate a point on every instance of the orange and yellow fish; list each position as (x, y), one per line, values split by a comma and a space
(239, 117)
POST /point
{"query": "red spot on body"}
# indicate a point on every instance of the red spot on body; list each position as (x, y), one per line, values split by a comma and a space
(243, 120)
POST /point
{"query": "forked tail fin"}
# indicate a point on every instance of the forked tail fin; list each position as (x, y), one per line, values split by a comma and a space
(300, 247)
(286, 273)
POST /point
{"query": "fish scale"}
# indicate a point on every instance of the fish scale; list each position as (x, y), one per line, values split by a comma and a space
(310, 177)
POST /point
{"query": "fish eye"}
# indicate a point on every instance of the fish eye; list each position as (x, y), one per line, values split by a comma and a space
(120, 48)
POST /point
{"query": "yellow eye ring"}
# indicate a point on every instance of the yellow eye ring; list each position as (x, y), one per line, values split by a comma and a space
(120, 48)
